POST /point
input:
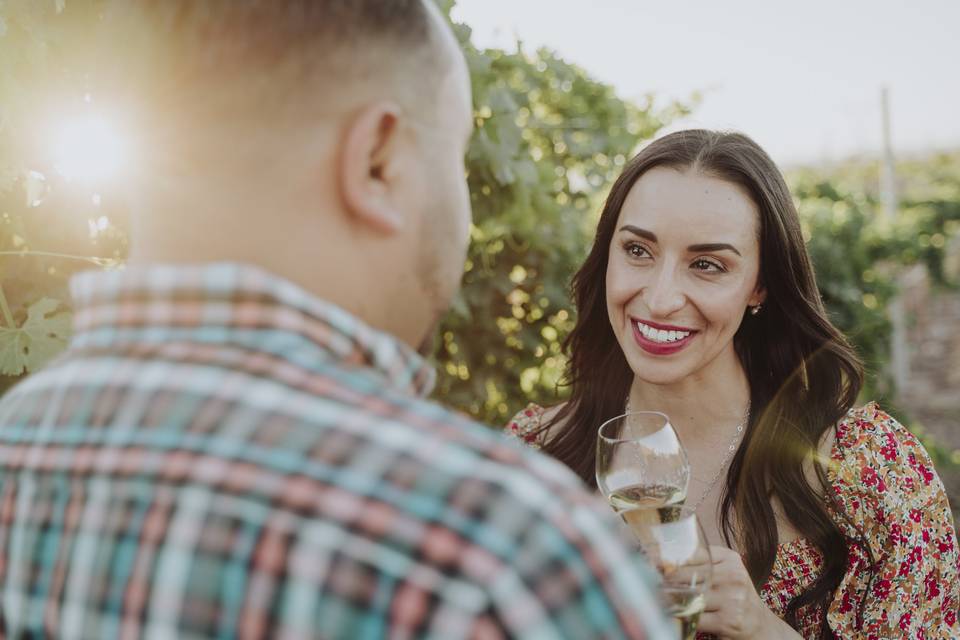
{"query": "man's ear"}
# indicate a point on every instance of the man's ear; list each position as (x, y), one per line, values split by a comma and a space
(368, 163)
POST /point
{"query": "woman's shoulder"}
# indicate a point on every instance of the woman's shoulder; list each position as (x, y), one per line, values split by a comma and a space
(879, 467)
(868, 423)
(529, 424)
(895, 507)
(870, 436)
(526, 425)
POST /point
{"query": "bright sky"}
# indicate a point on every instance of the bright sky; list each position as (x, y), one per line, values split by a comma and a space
(802, 78)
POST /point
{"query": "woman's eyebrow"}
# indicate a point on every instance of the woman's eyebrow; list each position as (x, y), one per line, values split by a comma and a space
(694, 248)
(712, 247)
(643, 233)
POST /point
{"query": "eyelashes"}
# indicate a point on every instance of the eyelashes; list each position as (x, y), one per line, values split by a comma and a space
(633, 250)
(637, 251)
(709, 266)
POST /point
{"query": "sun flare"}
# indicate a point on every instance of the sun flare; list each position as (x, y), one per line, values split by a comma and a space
(90, 148)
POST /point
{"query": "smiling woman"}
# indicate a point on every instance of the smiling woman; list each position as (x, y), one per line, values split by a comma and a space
(698, 300)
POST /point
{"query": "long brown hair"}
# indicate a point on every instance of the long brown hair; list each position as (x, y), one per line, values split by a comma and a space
(803, 375)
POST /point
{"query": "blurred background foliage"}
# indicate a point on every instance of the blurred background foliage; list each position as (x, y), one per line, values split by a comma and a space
(859, 253)
(52, 222)
(549, 141)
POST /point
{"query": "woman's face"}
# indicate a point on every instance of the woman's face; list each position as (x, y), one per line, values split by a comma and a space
(683, 268)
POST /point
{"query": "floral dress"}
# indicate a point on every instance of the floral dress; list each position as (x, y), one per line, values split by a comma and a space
(903, 574)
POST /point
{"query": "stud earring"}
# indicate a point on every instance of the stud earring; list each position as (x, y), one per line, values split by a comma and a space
(755, 310)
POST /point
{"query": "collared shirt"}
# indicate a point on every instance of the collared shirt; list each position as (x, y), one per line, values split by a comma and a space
(219, 454)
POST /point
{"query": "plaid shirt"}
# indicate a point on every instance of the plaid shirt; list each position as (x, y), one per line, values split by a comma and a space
(219, 454)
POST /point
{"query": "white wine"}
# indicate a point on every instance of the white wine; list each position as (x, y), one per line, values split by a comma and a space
(665, 499)
(685, 607)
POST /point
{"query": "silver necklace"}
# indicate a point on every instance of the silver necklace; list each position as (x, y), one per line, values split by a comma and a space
(731, 449)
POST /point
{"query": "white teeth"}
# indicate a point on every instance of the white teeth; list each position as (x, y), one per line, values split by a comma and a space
(661, 335)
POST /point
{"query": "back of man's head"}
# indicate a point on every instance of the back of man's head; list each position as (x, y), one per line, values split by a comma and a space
(327, 136)
(218, 62)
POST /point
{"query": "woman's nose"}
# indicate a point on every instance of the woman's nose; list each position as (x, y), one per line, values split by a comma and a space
(663, 296)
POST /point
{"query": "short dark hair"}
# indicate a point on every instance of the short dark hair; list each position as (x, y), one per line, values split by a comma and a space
(227, 32)
(212, 51)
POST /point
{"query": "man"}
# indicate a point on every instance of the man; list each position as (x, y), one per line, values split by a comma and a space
(236, 443)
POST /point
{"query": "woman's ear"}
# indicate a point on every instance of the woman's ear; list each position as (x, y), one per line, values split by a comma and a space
(759, 296)
(367, 165)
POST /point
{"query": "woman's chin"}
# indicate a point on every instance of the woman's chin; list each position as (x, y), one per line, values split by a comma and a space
(658, 373)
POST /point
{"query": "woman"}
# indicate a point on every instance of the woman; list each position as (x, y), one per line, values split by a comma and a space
(698, 299)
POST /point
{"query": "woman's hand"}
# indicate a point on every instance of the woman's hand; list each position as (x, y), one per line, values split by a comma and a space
(734, 609)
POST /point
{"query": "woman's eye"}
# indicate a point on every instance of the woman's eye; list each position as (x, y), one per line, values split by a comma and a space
(708, 266)
(636, 251)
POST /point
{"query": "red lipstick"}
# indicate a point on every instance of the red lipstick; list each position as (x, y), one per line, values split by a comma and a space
(660, 348)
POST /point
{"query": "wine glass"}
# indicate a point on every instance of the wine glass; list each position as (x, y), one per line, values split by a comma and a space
(640, 461)
(673, 541)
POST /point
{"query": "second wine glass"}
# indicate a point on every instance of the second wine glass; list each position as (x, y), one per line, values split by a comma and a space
(678, 549)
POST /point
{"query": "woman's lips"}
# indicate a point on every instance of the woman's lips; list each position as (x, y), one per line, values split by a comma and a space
(659, 339)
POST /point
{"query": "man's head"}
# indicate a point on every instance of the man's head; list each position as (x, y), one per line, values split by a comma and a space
(323, 140)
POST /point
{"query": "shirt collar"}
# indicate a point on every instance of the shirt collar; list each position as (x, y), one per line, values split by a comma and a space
(239, 304)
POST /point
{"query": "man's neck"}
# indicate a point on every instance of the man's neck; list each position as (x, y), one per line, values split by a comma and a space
(328, 270)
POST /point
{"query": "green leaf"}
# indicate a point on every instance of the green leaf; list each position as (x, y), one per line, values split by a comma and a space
(502, 101)
(42, 336)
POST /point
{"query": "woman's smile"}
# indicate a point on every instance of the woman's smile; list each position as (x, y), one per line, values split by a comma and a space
(660, 339)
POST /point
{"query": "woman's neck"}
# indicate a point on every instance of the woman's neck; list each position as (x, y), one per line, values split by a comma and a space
(703, 405)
